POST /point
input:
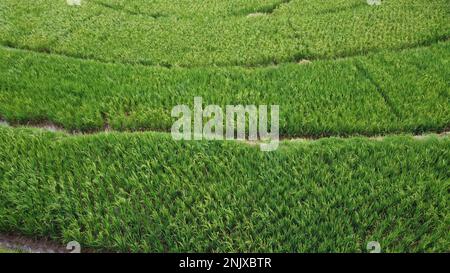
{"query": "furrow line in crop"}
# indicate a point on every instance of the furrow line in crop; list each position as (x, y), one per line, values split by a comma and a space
(127, 11)
(264, 10)
(341, 9)
(380, 90)
(271, 9)
(353, 54)
(294, 59)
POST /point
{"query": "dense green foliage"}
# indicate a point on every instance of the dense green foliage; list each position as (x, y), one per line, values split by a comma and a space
(146, 192)
(362, 95)
(335, 68)
(211, 32)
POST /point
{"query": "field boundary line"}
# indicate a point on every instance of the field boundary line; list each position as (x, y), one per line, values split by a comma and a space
(51, 127)
(341, 9)
(31, 244)
(8, 45)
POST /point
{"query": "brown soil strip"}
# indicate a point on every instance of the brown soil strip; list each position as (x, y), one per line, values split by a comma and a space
(50, 127)
(22, 244)
(17, 243)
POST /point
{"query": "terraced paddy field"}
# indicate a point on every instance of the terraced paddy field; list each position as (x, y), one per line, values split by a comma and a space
(364, 98)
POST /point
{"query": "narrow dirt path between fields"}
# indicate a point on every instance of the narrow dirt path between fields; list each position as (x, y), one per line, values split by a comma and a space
(22, 244)
(15, 243)
(50, 127)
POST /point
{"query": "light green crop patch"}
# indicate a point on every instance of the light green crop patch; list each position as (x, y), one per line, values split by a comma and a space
(220, 32)
(146, 192)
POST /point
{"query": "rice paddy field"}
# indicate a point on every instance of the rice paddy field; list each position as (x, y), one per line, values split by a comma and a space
(86, 153)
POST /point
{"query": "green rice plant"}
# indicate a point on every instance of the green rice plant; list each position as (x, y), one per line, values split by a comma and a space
(335, 68)
(145, 192)
(407, 82)
(220, 33)
(362, 95)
